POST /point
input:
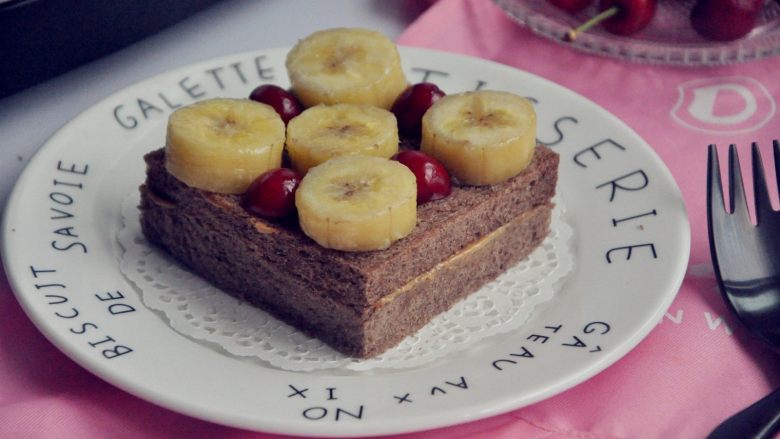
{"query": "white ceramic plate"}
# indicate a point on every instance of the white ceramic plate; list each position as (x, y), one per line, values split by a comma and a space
(631, 245)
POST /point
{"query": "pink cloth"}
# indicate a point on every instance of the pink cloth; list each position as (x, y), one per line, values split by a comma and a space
(697, 367)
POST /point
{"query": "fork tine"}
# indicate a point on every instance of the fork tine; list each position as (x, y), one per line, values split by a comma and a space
(776, 147)
(760, 191)
(715, 204)
(738, 203)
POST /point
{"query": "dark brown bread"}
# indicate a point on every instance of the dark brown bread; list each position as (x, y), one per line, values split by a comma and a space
(351, 300)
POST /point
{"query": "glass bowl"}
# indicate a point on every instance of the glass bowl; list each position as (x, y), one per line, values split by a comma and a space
(669, 39)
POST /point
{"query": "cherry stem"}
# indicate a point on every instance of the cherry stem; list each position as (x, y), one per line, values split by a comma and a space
(607, 13)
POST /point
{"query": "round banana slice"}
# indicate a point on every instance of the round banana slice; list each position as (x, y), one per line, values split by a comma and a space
(326, 131)
(482, 137)
(221, 145)
(357, 203)
(356, 66)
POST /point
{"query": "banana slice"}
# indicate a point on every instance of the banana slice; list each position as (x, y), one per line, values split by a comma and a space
(221, 145)
(355, 66)
(326, 131)
(357, 203)
(482, 137)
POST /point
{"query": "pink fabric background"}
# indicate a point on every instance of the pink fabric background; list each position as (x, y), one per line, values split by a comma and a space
(696, 368)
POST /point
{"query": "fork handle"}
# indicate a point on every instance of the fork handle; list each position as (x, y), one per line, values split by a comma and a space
(760, 420)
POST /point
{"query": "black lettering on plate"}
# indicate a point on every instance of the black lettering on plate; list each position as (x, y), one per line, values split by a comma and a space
(237, 68)
(577, 343)
(215, 74)
(126, 122)
(315, 413)
(264, 73)
(617, 183)
(192, 90)
(72, 169)
(297, 392)
(629, 251)
(404, 398)
(427, 73)
(602, 327)
(593, 149)
(559, 131)
(116, 351)
(538, 338)
(340, 411)
(616, 221)
(168, 103)
(555, 329)
(146, 107)
(461, 384)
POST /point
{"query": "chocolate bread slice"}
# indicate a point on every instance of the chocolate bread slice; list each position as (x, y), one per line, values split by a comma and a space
(359, 303)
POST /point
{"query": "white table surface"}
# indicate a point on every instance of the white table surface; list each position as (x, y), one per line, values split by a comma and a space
(28, 118)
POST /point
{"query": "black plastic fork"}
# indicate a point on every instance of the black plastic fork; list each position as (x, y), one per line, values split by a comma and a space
(746, 259)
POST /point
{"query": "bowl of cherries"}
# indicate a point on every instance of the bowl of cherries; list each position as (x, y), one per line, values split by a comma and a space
(677, 32)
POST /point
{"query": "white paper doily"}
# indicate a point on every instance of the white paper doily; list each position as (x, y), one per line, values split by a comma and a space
(196, 309)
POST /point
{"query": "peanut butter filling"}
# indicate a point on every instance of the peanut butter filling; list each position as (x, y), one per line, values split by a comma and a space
(471, 248)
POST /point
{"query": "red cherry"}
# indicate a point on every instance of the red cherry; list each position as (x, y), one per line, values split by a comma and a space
(272, 194)
(725, 20)
(283, 101)
(621, 17)
(571, 5)
(631, 17)
(433, 180)
(411, 105)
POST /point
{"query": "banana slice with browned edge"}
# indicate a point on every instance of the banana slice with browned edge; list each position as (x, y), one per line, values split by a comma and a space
(482, 137)
(326, 131)
(221, 145)
(357, 203)
(346, 65)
